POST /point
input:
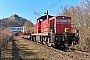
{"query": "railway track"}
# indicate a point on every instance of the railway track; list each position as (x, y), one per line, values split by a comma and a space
(55, 54)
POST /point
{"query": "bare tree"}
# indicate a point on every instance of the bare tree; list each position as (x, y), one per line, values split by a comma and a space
(80, 15)
(28, 26)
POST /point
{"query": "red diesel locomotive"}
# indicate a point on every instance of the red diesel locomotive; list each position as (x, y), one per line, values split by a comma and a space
(55, 31)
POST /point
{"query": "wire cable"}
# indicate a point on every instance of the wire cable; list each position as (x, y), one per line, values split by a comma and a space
(49, 2)
(54, 4)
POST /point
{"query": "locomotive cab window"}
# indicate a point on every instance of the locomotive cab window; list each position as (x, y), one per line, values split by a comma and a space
(62, 20)
(57, 20)
(69, 20)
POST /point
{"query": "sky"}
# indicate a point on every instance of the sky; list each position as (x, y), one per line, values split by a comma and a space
(26, 8)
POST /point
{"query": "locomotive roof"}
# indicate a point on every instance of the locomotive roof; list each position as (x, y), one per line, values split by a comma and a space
(44, 17)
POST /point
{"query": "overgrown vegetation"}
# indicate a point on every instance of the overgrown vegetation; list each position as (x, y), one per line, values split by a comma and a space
(4, 36)
(80, 15)
(21, 49)
(28, 26)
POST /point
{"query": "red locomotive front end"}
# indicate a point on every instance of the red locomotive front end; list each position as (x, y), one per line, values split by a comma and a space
(57, 23)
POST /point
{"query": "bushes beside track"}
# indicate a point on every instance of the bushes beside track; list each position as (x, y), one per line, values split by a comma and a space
(5, 35)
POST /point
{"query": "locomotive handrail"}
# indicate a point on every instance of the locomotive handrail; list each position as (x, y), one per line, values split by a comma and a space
(43, 29)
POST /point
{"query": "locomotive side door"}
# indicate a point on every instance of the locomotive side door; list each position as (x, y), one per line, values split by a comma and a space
(52, 25)
(52, 34)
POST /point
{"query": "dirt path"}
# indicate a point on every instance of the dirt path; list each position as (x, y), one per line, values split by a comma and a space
(20, 49)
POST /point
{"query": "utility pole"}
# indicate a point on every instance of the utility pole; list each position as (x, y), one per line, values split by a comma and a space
(47, 14)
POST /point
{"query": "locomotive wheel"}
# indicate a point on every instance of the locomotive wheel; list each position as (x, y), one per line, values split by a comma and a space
(44, 42)
(56, 45)
(41, 40)
(66, 49)
(33, 39)
(49, 44)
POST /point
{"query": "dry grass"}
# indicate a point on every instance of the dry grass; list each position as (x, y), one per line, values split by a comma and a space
(21, 49)
(29, 50)
(7, 53)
